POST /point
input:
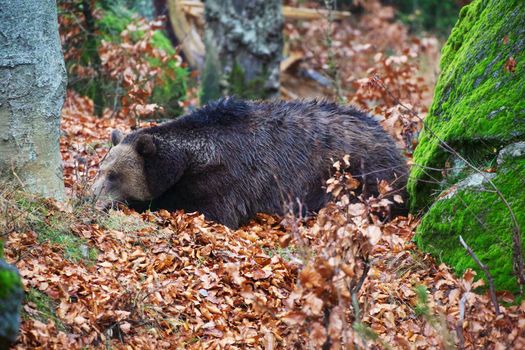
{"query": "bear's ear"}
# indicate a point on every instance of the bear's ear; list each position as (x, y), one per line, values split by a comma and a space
(145, 145)
(116, 137)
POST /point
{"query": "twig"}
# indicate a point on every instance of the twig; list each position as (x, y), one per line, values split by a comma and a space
(459, 324)
(518, 265)
(333, 72)
(116, 99)
(87, 11)
(359, 284)
(22, 184)
(357, 315)
(485, 269)
(326, 320)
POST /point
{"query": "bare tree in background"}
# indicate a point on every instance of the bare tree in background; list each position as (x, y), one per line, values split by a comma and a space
(244, 45)
(32, 88)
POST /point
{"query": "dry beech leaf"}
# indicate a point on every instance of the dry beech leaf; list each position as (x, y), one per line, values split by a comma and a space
(318, 334)
(373, 233)
(125, 327)
(294, 318)
(398, 199)
(356, 209)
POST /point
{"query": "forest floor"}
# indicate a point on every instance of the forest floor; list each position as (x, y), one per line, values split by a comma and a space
(343, 279)
(166, 280)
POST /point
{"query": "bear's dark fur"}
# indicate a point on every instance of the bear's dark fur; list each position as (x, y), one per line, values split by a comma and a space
(232, 158)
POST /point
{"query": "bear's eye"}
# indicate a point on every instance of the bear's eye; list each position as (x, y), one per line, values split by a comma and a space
(112, 176)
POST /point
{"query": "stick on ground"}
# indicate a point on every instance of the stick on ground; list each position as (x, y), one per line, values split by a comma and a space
(485, 269)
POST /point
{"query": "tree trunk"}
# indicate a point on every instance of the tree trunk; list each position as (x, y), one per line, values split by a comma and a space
(244, 45)
(190, 41)
(32, 87)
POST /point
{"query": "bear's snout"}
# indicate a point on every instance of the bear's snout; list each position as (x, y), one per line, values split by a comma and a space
(99, 194)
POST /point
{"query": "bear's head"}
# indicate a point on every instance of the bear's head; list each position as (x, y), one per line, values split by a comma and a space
(138, 168)
(121, 176)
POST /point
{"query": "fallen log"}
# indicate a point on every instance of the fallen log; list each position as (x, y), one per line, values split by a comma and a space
(196, 9)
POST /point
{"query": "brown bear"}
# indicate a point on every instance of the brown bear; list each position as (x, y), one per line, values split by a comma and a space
(232, 159)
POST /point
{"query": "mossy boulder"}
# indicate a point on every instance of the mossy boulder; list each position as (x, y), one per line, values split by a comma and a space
(11, 295)
(479, 110)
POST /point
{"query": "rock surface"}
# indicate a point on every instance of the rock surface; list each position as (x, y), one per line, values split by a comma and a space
(11, 295)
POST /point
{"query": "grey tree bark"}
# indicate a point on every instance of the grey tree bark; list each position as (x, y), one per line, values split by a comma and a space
(244, 45)
(32, 90)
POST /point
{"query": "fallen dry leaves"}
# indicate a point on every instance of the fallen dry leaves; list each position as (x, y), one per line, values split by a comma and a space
(350, 53)
(177, 281)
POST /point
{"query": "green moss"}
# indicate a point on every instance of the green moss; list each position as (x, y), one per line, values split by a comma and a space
(117, 220)
(11, 295)
(9, 281)
(476, 99)
(478, 108)
(45, 306)
(114, 21)
(244, 88)
(53, 227)
(211, 76)
(484, 222)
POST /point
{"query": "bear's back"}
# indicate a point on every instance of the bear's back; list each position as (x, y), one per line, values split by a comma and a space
(231, 112)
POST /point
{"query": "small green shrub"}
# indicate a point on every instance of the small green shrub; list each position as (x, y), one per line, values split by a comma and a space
(103, 82)
(437, 16)
(174, 78)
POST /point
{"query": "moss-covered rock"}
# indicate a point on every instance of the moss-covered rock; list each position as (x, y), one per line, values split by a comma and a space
(11, 294)
(478, 214)
(478, 109)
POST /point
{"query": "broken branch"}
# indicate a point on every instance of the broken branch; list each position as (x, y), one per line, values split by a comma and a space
(486, 271)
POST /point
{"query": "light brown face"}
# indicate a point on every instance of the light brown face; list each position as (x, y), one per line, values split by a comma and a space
(121, 176)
